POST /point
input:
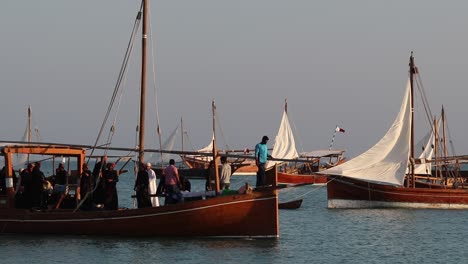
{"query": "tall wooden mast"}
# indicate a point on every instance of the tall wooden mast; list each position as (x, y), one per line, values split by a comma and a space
(286, 105)
(215, 151)
(412, 70)
(28, 131)
(141, 156)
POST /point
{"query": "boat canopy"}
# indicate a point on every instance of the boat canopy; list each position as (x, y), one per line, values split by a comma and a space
(321, 153)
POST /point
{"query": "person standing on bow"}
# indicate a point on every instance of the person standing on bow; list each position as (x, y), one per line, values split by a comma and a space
(261, 155)
(152, 185)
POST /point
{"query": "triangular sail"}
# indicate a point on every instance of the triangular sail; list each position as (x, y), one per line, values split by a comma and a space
(386, 161)
(285, 146)
(28, 136)
(167, 145)
(21, 159)
(209, 148)
(424, 151)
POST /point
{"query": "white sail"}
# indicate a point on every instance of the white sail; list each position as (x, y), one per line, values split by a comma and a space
(28, 136)
(424, 151)
(167, 145)
(386, 161)
(285, 146)
(209, 148)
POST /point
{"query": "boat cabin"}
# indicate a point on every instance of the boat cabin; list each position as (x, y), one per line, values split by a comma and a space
(314, 161)
(16, 158)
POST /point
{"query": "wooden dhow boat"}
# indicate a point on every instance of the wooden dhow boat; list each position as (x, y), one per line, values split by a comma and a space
(239, 164)
(300, 168)
(253, 214)
(385, 175)
(250, 214)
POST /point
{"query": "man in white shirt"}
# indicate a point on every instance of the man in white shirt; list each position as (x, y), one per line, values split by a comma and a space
(153, 186)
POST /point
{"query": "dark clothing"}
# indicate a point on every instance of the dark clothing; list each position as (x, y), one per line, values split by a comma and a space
(3, 180)
(141, 189)
(260, 175)
(60, 176)
(173, 194)
(210, 176)
(24, 198)
(85, 188)
(99, 168)
(111, 201)
(186, 185)
(161, 186)
(37, 188)
(99, 194)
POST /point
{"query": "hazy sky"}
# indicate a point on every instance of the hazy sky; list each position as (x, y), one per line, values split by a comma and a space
(337, 62)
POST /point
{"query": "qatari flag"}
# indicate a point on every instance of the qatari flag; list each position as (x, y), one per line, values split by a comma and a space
(339, 129)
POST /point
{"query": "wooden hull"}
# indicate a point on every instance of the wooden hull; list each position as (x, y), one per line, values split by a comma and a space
(343, 192)
(242, 215)
(294, 204)
(247, 169)
(252, 214)
(291, 178)
(196, 163)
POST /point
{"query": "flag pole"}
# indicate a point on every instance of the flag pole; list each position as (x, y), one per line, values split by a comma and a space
(333, 138)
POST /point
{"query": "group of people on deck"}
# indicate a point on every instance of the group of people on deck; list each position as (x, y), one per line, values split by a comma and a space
(98, 188)
(34, 190)
(31, 192)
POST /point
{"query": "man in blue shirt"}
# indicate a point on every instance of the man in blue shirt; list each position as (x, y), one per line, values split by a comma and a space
(261, 155)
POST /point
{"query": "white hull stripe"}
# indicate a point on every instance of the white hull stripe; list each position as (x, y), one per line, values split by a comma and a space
(353, 204)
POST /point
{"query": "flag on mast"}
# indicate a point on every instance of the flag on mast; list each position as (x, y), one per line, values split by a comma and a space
(339, 129)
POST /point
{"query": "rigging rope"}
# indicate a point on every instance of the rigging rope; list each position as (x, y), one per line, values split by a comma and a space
(158, 126)
(218, 116)
(121, 78)
(318, 187)
(454, 153)
(186, 136)
(295, 134)
(424, 99)
(121, 75)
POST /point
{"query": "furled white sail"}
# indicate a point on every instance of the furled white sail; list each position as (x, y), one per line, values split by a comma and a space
(386, 161)
(285, 146)
(424, 151)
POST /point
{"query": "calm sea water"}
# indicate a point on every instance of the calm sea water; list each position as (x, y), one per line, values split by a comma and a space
(311, 234)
